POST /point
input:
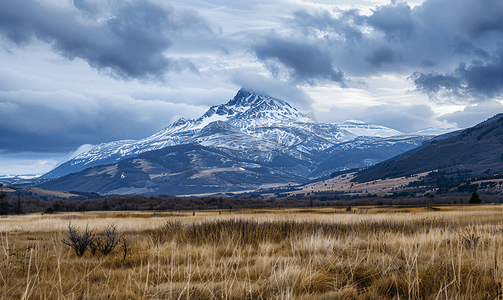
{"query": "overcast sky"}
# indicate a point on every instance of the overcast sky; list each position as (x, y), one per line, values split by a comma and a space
(76, 73)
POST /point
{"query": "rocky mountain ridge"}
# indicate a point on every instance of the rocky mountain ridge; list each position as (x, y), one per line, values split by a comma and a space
(259, 127)
(252, 141)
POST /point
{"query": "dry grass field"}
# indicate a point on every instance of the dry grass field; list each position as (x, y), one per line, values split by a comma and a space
(450, 252)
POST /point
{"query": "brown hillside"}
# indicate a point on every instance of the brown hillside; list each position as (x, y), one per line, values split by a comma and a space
(474, 152)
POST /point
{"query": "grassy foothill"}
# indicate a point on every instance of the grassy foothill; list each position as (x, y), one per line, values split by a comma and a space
(444, 252)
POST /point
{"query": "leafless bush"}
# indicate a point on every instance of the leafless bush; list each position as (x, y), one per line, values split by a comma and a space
(79, 242)
(95, 246)
(107, 241)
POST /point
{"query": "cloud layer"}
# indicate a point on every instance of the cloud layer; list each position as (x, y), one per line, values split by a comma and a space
(127, 39)
(479, 81)
(460, 45)
(63, 120)
(441, 48)
(90, 71)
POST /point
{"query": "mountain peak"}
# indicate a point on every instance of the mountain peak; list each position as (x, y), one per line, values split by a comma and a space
(246, 98)
(259, 127)
(244, 91)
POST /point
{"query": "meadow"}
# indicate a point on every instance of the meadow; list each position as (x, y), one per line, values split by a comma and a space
(421, 252)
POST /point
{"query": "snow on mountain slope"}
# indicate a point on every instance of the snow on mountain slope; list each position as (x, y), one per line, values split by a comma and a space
(360, 128)
(434, 131)
(255, 127)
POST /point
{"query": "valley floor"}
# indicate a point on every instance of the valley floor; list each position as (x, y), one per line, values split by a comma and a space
(420, 252)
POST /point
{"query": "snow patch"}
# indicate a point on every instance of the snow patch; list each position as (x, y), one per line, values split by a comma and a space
(209, 120)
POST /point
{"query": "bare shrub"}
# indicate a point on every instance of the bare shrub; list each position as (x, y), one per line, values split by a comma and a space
(78, 242)
(106, 242)
(95, 246)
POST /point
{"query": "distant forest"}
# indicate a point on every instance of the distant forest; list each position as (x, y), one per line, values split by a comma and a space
(12, 204)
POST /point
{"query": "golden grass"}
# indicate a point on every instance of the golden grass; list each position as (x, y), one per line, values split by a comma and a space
(365, 253)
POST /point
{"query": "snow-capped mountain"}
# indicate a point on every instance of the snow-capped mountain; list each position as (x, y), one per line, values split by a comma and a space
(255, 128)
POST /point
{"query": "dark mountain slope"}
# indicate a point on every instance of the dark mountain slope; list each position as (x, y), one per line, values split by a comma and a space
(176, 170)
(475, 151)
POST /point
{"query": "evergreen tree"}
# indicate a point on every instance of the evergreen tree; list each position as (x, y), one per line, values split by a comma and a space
(475, 199)
(105, 205)
(18, 208)
(4, 204)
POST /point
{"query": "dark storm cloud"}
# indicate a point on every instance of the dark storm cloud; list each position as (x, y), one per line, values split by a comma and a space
(306, 61)
(325, 22)
(466, 47)
(394, 20)
(484, 79)
(382, 56)
(479, 80)
(478, 28)
(128, 44)
(446, 45)
(330, 45)
(62, 120)
(14, 140)
(434, 82)
(479, 18)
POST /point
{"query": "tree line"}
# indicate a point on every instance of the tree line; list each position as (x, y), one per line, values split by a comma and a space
(16, 204)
